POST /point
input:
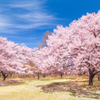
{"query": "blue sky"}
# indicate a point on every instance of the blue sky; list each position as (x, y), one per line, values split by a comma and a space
(25, 21)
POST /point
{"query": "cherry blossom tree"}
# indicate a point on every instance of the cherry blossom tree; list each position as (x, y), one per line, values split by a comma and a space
(47, 61)
(84, 48)
(76, 46)
(13, 57)
(35, 68)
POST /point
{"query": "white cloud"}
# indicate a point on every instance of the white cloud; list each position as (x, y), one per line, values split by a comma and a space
(24, 15)
(20, 37)
(5, 25)
(29, 5)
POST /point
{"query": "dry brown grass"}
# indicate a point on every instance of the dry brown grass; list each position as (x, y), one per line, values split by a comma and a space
(70, 88)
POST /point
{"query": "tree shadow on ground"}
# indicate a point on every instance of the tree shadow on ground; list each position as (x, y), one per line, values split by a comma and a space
(11, 83)
(74, 87)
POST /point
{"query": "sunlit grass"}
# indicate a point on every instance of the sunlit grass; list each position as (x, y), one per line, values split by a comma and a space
(31, 90)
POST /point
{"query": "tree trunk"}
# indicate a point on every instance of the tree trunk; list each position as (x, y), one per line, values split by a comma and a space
(4, 75)
(90, 80)
(10, 75)
(44, 75)
(92, 73)
(61, 75)
(26, 76)
(38, 76)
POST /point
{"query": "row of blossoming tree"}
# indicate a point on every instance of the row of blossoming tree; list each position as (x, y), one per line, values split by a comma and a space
(14, 58)
(75, 48)
(72, 50)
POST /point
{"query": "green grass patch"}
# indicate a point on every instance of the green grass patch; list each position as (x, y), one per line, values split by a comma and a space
(49, 89)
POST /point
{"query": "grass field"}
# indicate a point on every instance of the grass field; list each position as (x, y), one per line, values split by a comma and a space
(50, 89)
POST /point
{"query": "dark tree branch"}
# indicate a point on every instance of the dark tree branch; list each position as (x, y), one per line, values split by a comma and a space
(96, 73)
